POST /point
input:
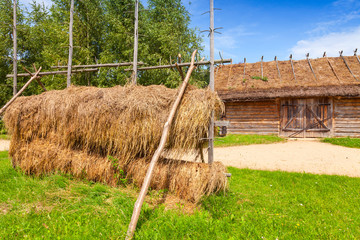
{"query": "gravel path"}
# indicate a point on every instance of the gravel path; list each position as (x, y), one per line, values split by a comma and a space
(292, 156)
(4, 145)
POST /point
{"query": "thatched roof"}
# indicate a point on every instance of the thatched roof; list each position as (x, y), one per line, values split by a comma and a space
(332, 78)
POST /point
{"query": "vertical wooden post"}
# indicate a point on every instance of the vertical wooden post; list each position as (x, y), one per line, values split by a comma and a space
(292, 66)
(68, 81)
(136, 37)
(244, 67)
(262, 72)
(15, 50)
(278, 69)
(164, 136)
(211, 83)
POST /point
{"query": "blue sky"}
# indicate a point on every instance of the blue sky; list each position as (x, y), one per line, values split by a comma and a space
(255, 28)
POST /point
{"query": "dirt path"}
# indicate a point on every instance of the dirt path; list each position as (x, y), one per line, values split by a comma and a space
(4, 145)
(294, 156)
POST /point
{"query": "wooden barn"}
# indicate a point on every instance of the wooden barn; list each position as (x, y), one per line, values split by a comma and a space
(306, 98)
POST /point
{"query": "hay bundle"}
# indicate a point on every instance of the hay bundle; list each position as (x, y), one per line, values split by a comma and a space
(75, 130)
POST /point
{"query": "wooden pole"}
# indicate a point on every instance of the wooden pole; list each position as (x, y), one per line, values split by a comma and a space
(278, 69)
(307, 57)
(136, 39)
(331, 67)
(100, 65)
(348, 67)
(244, 67)
(19, 93)
(211, 84)
(355, 54)
(292, 66)
(15, 50)
(68, 80)
(54, 73)
(164, 136)
(180, 65)
(37, 78)
(262, 72)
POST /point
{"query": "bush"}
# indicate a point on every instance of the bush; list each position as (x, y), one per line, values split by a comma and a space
(2, 127)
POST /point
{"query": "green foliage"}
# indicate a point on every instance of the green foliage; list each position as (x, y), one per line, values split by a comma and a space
(2, 127)
(259, 205)
(120, 174)
(103, 33)
(346, 142)
(240, 139)
(265, 79)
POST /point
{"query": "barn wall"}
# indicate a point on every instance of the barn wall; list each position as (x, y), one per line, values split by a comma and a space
(260, 117)
(347, 117)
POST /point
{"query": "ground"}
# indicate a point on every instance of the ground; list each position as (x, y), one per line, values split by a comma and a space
(294, 156)
(4, 145)
(309, 156)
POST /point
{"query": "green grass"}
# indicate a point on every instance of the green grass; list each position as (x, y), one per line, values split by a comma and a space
(259, 205)
(4, 137)
(265, 79)
(346, 142)
(239, 139)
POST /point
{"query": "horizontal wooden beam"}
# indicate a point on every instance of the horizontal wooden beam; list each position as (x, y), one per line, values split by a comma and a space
(100, 65)
(53, 73)
(181, 65)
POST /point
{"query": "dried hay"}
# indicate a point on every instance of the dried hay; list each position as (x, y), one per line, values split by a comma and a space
(75, 130)
(187, 180)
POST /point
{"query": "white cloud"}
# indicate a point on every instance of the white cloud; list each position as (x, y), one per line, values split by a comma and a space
(229, 39)
(331, 43)
(325, 27)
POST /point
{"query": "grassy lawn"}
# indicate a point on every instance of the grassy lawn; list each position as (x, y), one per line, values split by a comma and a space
(346, 142)
(4, 137)
(239, 139)
(259, 205)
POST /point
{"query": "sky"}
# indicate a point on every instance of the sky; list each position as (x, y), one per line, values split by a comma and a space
(255, 28)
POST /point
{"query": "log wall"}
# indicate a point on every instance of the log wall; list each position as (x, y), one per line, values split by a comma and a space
(347, 117)
(261, 117)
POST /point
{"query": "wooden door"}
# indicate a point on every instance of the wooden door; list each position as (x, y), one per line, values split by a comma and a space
(310, 117)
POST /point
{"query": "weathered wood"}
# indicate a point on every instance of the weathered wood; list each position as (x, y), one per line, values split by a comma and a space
(68, 78)
(181, 65)
(37, 78)
(53, 73)
(355, 54)
(222, 123)
(306, 117)
(15, 49)
(292, 66)
(244, 68)
(164, 136)
(136, 39)
(100, 65)
(312, 70)
(2, 110)
(252, 117)
(262, 71)
(277, 67)
(348, 67)
(332, 68)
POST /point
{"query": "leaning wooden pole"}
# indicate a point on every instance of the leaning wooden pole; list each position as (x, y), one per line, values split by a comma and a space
(164, 136)
(19, 93)
(68, 79)
(15, 50)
